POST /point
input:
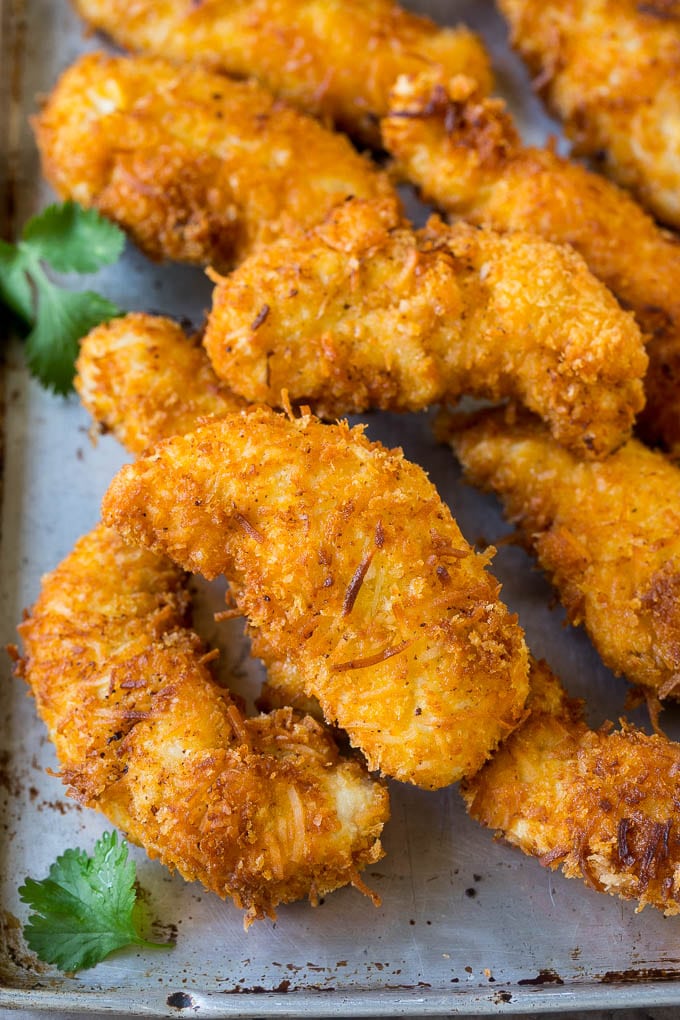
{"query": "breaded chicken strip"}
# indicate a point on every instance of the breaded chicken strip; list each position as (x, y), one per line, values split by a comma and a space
(465, 155)
(263, 810)
(356, 314)
(353, 574)
(142, 378)
(611, 70)
(608, 535)
(335, 59)
(194, 166)
(600, 805)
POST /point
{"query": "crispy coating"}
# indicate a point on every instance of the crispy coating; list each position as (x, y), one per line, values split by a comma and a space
(194, 166)
(358, 314)
(142, 378)
(352, 573)
(608, 535)
(465, 155)
(335, 59)
(263, 809)
(600, 805)
(611, 70)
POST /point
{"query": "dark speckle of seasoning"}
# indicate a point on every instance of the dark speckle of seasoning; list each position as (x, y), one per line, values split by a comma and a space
(412, 921)
(477, 878)
(471, 893)
(260, 317)
(180, 1000)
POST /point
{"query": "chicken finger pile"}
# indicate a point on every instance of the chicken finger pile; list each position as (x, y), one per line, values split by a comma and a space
(387, 646)
(465, 154)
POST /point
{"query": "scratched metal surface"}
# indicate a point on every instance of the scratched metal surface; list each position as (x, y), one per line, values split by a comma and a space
(466, 924)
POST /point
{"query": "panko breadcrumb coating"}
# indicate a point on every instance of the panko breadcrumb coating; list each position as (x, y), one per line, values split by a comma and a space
(607, 534)
(194, 166)
(262, 810)
(600, 805)
(334, 59)
(357, 314)
(352, 573)
(143, 379)
(465, 155)
(611, 70)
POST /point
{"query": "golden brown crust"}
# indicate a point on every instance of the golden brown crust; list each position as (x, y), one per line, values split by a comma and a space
(611, 70)
(601, 806)
(142, 378)
(194, 166)
(303, 50)
(464, 154)
(359, 314)
(348, 566)
(263, 810)
(607, 533)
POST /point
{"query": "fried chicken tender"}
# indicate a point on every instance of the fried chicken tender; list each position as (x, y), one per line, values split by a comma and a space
(354, 576)
(303, 50)
(465, 155)
(611, 70)
(357, 314)
(194, 166)
(143, 379)
(601, 805)
(262, 810)
(607, 534)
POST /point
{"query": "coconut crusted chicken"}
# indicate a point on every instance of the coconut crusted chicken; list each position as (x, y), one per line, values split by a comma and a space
(465, 155)
(607, 533)
(305, 51)
(143, 379)
(353, 575)
(263, 810)
(194, 166)
(600, 805)
(358, 314)
(543, 788)
(611, 70)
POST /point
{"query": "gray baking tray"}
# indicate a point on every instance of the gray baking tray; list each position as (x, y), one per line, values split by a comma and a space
(466, 924)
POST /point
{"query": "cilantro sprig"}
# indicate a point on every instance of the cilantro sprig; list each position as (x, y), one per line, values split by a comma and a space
(70, 239)
(85, 908)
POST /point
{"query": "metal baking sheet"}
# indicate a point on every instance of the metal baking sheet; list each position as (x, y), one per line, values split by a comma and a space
(466, 924)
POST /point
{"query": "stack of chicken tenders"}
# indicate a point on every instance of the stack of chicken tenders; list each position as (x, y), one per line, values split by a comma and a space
(544, 289)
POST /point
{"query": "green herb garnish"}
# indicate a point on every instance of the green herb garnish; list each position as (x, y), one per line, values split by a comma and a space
(85, 908)
(70, 239)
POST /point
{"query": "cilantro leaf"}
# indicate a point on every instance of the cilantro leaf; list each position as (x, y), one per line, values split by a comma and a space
(73, 239)
(15, 290)
(64, 316)
(70, 239)
(85, 908)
